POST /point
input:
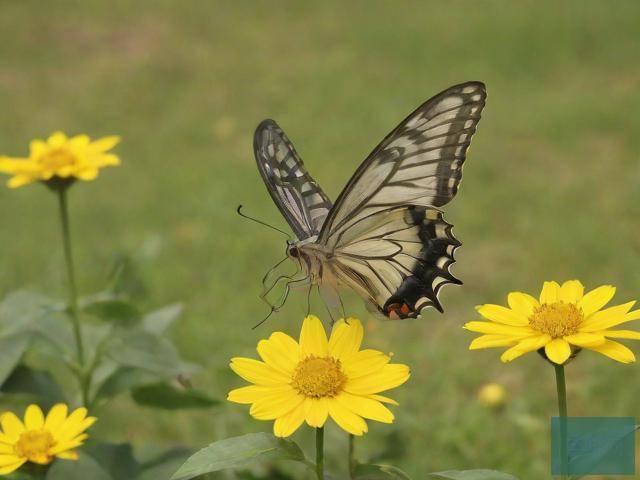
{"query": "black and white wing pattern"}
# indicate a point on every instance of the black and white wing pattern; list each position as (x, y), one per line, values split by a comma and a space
(386, 233)
(300, 199)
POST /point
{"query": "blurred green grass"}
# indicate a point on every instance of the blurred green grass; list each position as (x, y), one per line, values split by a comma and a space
(551, 186)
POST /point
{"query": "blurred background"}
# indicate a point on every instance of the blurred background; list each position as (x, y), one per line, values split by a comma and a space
(550, 190)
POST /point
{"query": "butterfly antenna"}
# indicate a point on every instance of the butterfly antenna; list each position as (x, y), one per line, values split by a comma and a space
(239, 210)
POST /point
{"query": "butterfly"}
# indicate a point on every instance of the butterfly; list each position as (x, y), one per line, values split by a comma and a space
(385, 236)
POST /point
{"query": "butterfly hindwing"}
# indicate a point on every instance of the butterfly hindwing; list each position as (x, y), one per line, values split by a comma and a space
(398, 259)
(300, 199)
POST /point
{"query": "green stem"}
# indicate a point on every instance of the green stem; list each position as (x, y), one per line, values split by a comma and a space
(562, 413)
(320, 453)
(73, 291)
(352, 456)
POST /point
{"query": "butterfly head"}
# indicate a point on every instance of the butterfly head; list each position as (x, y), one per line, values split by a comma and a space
(293, 251)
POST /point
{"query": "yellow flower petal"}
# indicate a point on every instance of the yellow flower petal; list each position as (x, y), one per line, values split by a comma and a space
(280, 352)
(79, 141)
(365, 407)
(550, 292)
(596, 299)
(276, 404)
(66, 445)
(346, 419)
(525, 346)
(490, 341)
(616, 351)
(630, 334)
(68, 455)
(498, 329)
(390, 376)
(33, 418)
(289, 423)
(57, 139)
(571, 291)
(19, 181)
(558, 350)
(105, 143)
(11, 426)
(74, 425)
(522, 303)
(313, 339)
(316, 411)
(258, 372)
(6, 448)
(364, 362)
(252, 393)
(8, 460)
(610, 317)
(56, 417)
(383, 399)
(503, 315)
(346, 338)
(7, 469)
(585, 340)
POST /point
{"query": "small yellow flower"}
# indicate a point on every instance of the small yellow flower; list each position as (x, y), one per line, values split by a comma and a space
(39, 439)
(492, 395)
(60, 157)
(316, 378)
(563, 320)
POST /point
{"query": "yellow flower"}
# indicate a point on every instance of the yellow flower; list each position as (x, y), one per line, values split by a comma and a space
(315, 378)
(492, 395)
(60, 157)
(39, 439)
(562, 321)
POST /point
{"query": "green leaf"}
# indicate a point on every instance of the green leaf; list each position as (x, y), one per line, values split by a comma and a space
(239, 452)
(114, 310)
(37, 383)
(21, 310)
(481, 474)
(160, 320)
(12, 348)
(163, 465)
(139, 349)
(84, 468)
(116, 459)
(168, 397)
(379, 472)
(124, 379)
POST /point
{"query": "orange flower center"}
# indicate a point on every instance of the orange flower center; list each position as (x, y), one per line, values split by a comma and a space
(35, 445)
(319, 377)
(557, 319)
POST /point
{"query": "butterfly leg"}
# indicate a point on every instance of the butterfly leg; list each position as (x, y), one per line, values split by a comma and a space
(332, 301)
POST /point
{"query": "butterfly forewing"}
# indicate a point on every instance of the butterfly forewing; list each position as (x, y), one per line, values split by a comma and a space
(300, 199)
(418, 163)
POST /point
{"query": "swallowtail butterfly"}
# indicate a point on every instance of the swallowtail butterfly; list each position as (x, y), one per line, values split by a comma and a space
(385, 236)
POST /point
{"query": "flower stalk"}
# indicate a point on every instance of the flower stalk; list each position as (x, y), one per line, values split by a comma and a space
(320, 453)
(562, 413)
(352, 456)
(73, 291)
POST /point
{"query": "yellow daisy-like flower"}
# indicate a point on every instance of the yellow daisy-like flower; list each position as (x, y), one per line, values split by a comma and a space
(316, 378)
(60, 157)
(563, 320)
(39, 439)
(492, 395)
